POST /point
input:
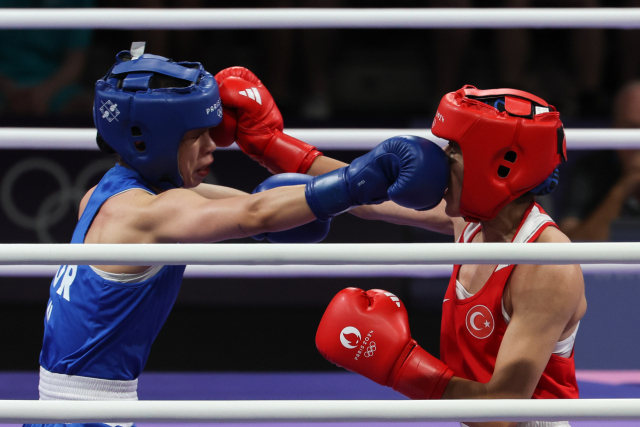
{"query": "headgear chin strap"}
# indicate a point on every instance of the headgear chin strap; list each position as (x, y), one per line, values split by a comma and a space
(145, 125)
(511, 141)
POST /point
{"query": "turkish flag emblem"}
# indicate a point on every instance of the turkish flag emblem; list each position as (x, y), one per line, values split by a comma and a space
(480, 322)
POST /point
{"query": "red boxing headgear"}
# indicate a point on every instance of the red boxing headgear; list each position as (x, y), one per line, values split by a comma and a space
(505, 153)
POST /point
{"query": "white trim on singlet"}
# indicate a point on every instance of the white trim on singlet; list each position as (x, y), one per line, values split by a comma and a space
(531, 226)
(563, 348)
(129, 189)
(128, 277)
(469, 230)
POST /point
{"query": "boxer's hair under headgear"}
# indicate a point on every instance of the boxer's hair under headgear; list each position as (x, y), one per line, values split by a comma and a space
(511, 143)
(144, 121)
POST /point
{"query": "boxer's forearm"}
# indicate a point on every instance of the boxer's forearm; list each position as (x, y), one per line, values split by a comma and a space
(434, 220)
(324, 164)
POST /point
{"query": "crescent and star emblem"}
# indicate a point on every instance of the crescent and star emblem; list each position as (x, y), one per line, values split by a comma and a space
(480, 322)
(472, 320)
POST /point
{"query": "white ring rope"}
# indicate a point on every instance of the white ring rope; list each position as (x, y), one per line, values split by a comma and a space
(25, 411)
(324, 139)
(182, 19)
(323, 254)
(313, 271)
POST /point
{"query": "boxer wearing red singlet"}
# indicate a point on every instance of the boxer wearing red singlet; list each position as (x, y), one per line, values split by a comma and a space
(508, 331)
(474, 326)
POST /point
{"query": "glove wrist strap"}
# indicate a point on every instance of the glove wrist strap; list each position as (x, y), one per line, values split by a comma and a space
(328, 195)
(421, 376)
(288, 154)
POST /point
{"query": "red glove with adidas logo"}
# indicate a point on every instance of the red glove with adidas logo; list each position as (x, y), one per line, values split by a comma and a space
(259, 124)
(368, 333)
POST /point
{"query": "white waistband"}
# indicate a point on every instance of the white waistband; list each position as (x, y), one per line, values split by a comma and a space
(73, 387)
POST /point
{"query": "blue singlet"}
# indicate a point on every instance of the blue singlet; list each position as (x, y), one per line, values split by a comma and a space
(99, 328)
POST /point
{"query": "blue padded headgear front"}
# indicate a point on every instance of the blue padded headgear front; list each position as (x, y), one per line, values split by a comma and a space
(127, 111)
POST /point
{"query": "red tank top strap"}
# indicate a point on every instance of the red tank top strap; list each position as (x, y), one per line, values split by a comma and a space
(534, 221)
(469, 232)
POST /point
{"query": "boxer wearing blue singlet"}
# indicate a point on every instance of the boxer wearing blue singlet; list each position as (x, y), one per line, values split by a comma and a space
(159, 117)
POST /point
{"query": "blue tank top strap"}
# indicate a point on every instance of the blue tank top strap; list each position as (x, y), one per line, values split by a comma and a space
(117, 180)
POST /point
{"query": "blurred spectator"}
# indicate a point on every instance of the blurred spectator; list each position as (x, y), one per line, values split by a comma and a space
(604, 187)
(450, 49)
(587, 49)
(40, 69)
(514, 49)
(317, 48)
(628, 60)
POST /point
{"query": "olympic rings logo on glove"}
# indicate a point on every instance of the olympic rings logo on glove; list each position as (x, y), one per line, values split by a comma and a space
(53, 208)
(370, 350)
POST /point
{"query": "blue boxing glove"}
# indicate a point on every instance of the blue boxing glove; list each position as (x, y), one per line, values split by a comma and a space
(409, 170)
(312, 232)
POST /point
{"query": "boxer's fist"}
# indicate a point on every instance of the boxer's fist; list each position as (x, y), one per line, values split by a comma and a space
(409, 170)
(312, 232)
(225, 133)
(368, 333)
(259, 124)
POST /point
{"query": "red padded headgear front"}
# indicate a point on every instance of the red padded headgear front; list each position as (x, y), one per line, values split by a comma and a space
(505, 153)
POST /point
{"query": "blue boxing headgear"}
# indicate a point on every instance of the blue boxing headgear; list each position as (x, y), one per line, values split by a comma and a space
(145, 125)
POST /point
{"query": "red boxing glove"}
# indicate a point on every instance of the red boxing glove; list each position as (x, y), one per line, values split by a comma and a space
(225, 133)
(368, 333)
(259, 124)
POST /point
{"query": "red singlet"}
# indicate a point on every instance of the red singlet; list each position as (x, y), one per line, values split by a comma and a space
(473, 328)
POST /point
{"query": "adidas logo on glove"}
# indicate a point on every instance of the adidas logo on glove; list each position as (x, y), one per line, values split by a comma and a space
(253, 94)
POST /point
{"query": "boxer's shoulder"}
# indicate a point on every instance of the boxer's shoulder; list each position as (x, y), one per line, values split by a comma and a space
(124, 218)
(562, 283)
(552, 235)
(127, 199)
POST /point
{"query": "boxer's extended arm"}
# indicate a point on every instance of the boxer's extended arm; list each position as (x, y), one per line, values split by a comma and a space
(390, 171)
(213, 192)
(435, 219)
(185, 217)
